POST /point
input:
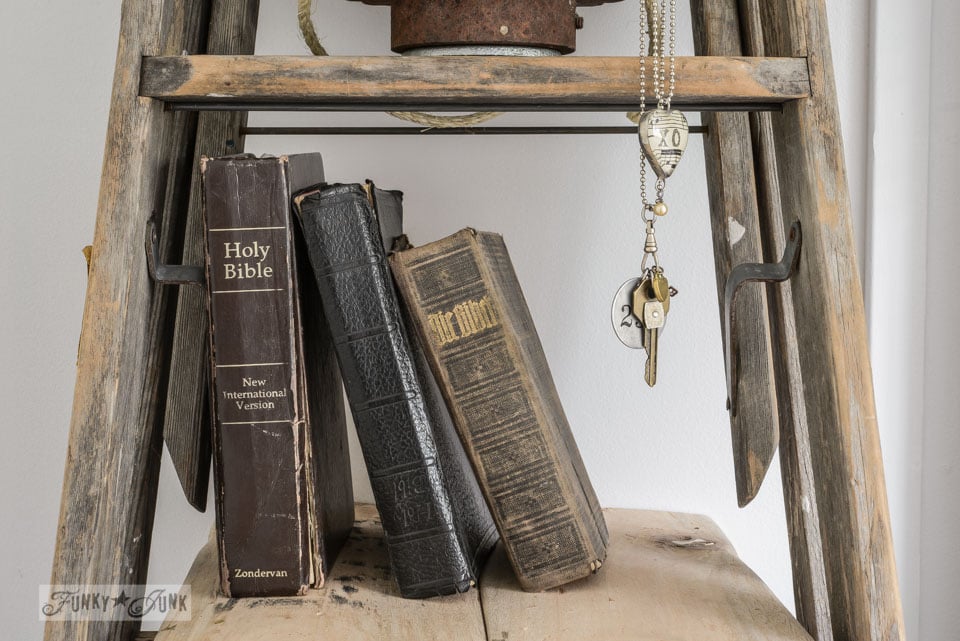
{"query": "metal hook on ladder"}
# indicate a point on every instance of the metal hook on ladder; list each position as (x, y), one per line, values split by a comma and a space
(746, 273)
(164, 274)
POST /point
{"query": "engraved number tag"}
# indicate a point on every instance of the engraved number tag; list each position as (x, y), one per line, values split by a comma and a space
(628, 327)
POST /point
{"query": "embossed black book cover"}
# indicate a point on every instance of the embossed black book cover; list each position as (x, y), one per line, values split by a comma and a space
(284, 498)
(438, 530)
(470, 313)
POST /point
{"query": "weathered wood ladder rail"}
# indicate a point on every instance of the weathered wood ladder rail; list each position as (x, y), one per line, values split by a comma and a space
(773, 137)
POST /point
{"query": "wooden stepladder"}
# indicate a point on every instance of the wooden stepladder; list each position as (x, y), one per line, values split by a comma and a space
(774, 156)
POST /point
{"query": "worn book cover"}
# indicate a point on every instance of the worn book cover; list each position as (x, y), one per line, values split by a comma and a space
(284, 498)
(469, 311)
(437, 528)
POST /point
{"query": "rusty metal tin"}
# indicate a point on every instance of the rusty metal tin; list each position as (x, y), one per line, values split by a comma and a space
(428, 24)
(482, 50)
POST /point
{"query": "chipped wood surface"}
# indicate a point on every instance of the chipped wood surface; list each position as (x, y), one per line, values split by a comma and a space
(113, 456)
(360, 601)
(735, 220)
(186, 430)
(667, 576)
(461, 82)
(837, 387)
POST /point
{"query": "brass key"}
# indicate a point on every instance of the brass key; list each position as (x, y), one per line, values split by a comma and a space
(652, 315)
(653, 319)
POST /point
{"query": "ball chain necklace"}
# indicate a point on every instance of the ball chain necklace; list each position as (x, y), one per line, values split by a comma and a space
(642, 303)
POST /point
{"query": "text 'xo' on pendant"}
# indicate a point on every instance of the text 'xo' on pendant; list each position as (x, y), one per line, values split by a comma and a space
(663, 137)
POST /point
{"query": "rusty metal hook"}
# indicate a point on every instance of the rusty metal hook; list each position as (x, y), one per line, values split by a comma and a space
(164, 274)
(746, 273)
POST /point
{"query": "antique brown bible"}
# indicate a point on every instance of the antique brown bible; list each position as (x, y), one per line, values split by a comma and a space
(284, 498)
(469, 311)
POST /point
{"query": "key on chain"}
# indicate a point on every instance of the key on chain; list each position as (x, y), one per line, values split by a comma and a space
(652, 314)
(640, 308)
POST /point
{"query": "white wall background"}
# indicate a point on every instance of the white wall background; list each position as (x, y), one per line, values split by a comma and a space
(567, 208)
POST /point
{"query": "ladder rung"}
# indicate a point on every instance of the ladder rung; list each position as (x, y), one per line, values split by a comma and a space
(448, 131)
(458, 83)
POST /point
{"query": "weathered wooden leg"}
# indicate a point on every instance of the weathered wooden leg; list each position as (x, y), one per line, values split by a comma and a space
(830, 324)
(233, 30)
(736, 239)
(742, 183)
(113, 458)
(803, 519)
(742, 190)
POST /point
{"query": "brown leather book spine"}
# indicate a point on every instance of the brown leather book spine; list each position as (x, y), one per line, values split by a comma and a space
(281, 467)
(470, 313)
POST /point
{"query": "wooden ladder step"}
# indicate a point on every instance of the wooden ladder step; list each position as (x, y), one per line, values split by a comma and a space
(456, 83)
(667, 576)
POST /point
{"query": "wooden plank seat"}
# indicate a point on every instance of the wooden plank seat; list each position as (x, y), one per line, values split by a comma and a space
(668, 577)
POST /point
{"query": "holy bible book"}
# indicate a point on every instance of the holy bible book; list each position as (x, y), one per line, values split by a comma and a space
(437, 528)
(468, 309)
(284, 498)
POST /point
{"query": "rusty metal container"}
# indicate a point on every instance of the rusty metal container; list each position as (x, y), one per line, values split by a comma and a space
(490, 27)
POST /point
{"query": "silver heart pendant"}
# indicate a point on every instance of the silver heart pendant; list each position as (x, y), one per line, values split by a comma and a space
(663, 137)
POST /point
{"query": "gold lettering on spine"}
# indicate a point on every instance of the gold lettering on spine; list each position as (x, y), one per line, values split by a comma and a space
(487, 313)
(442, 326)
(466, 319)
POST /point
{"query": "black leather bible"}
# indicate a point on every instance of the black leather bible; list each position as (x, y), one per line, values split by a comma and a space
(284, 499)
(437, 528)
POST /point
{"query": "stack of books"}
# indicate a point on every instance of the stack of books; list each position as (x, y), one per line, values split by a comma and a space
(461, 427)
